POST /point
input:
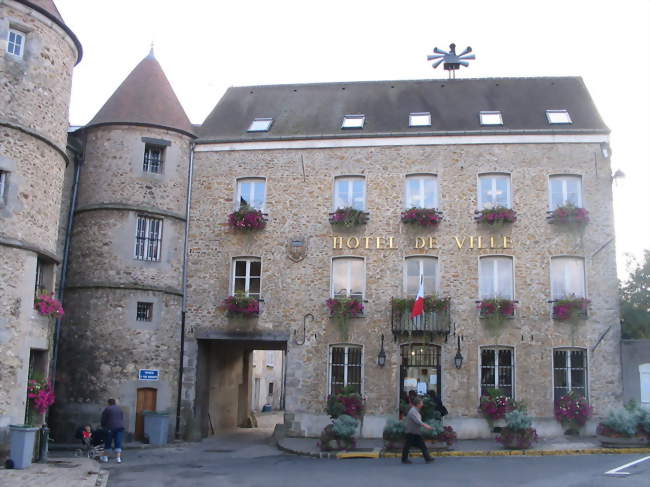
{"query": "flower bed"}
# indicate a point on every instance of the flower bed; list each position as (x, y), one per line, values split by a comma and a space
(569, 215)
(572, 410)
(496, 215)
(348, 217)
(425, 217)
(47, 305)
(247, 218)
(240, 305)
(570, 309)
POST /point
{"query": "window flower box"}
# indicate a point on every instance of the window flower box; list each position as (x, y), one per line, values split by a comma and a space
(568, 215)
(424, 217)
(342, 309)
(496, 308)
(241, 306)
(570, 309)
(247, 218)
(47, 305)
(348, 217)
(496, 215)
(572, 411)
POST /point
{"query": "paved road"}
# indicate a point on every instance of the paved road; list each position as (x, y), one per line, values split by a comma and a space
(247, 459)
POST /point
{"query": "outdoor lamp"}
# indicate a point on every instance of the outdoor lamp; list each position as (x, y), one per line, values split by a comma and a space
(381, 358)
(458, 359)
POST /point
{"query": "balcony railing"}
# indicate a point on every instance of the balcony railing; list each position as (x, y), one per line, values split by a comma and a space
(429, 323)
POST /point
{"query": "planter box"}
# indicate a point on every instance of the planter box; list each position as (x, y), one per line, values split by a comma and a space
(393, 445)
(21, 445)
(156, 427)
(622, 442)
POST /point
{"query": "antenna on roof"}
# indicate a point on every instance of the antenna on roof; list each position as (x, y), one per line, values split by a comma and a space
(151, 54)
(452, 61)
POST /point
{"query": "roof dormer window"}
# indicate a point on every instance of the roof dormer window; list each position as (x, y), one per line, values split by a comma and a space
(353, 121)
(491, 118)
(260, 125)
(558, 116)
(420, 119)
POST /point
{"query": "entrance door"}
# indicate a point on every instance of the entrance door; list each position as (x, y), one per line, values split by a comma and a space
(420, 370)
(146, 402)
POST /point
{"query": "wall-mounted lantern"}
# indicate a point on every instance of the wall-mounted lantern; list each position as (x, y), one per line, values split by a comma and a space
(458, 359)
(381, 358)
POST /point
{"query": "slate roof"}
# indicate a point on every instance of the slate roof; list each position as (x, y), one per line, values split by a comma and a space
(301, 111)
(48, 8)
(145, 97)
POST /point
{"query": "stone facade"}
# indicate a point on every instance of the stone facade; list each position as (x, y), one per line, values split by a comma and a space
(34, 99)
(299, 207)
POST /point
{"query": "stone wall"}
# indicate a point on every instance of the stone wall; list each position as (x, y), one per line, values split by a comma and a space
(298, 205)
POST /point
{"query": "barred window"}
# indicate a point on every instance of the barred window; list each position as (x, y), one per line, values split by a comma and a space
(144, 311)
(569, 372)
(39, 281)
(16, 42)
(3, 183)
(497, 370)
(345, 368)
(153, 158)
(148, 238)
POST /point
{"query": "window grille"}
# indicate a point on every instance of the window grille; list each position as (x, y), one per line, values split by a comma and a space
(497, 370)
(569, 372)
(345, 368)
(153, 158)
(148, 238)
(144, 312)
(39, 282)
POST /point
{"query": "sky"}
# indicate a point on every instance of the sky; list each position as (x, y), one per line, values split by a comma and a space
(205, 46)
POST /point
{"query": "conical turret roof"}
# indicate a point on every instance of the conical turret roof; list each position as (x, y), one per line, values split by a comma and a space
(145, 97)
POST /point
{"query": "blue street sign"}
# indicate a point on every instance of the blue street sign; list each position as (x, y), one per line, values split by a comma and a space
(149, 374)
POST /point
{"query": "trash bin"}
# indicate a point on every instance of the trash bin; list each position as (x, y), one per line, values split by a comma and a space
(267, 408)
(156, 427)
(21, 445)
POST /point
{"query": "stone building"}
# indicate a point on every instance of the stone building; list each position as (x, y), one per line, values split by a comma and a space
(38, 54)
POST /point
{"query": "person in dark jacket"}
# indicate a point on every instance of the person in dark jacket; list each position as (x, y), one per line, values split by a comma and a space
(113, 424)
(413, 436)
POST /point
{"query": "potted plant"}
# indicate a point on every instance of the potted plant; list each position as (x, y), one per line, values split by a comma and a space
(246, 218)
(494, 405)
(347, 402)
(47, 305)
(495, 312)
(424, 217)
(625, 427)
(341, 431)
(393, 435)
(518, 434)
(497, 215)
(569, 215)
(348, 217)
(240, 305)
(439, 436)
(570, 309)
(342, 309)
(572, 410)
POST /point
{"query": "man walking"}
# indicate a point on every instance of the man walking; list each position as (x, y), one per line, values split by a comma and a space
(413, 437)
(113, 424)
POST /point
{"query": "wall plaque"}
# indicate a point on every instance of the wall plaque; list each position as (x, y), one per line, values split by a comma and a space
(297, 248)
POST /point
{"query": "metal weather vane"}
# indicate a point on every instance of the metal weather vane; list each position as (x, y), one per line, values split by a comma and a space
(452, 61)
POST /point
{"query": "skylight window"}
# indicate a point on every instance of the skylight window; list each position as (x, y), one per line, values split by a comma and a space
(260, 125)
(422, 119)
(491, 118)
(353, 121)
(558, 116)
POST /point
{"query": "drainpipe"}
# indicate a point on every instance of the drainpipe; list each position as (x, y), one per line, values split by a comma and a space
(184, 287)
(78, 161)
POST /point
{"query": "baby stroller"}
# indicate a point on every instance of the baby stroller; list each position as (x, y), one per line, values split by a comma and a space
(93, 447)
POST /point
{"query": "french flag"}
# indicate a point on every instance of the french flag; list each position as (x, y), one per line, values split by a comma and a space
(418, 306)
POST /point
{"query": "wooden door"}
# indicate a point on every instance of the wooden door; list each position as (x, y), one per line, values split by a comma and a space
(146, 402)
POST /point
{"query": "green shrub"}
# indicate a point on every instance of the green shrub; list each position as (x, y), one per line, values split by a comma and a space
(518, 420)
(622, 421)
(394, 429)
(436, 430)
(345, 426)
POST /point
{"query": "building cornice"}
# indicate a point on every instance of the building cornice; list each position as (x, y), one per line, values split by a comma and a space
(132, 286)
(38, 135)
(128, 207)
(388, 140)
(29, 246)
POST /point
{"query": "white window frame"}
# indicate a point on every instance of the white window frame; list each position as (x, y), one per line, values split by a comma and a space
(3, 185)
(563, 178)
(488, 117)
(354, 121)
(148, 162)
(143, 236)
(346, 364)
(558, 117)
(17, 34)
(644, 380)
(420, 259)
(513, 368)
(568, 369)
(420, 119)
(422, 178)
(260, 125)
(239, 188)
(494, 175)
(247, 276)
(565, 277)
(350, 182)
(349, 260)
(495, 276)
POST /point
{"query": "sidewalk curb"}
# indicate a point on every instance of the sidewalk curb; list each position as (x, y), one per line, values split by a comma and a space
(495, 453)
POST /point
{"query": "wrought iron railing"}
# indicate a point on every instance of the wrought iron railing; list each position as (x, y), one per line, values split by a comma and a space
(428, 323)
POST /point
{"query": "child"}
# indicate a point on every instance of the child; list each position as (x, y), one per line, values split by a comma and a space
(87, 435)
